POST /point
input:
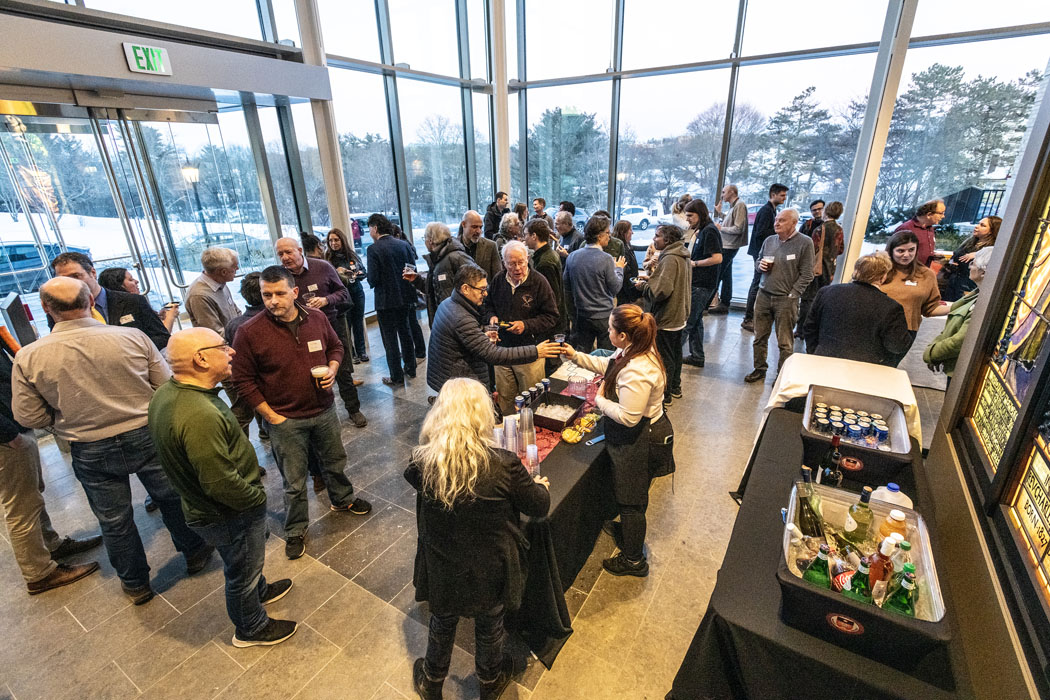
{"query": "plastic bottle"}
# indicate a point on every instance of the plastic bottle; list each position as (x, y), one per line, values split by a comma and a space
(891, 493)
(902, 556)
(894, 522)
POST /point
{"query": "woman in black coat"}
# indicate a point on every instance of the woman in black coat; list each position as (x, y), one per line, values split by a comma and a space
(470, 559)
(351, 271)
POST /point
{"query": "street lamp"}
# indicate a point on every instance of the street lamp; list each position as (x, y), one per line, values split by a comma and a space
(193, 176)
(620, 177)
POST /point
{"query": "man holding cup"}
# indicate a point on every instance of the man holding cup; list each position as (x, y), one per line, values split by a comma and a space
(285, 364)
(785, 264)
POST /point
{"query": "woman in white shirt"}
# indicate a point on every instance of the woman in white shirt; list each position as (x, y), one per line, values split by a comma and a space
(638, 435)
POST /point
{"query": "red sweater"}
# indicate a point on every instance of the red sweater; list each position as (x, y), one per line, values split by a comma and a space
(925, 235)
(272, 365)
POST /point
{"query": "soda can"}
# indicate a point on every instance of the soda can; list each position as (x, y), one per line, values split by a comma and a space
(838, 428)
(848, 410)
(834, 409)
(862, 414)
(849, 421)
(853, 432)
(850, 416)
(882, 433)
(875, 416)
(820, 413)
(519, 402)
(865, 427)
(823, 425)
(834, 416)
(822, 406)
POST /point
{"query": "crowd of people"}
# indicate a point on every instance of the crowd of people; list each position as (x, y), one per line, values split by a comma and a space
(508, 297)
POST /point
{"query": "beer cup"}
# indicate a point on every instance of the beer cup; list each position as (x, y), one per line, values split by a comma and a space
(318, 373)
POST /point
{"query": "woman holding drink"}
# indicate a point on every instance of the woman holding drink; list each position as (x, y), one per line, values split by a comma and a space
(638, 434)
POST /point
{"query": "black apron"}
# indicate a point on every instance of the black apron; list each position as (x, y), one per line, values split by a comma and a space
(638, 455)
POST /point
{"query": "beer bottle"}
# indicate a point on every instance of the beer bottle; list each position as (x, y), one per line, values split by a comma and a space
(857, 586)
(818, 572)
(902, 600)
(808, 520)
(859, 519)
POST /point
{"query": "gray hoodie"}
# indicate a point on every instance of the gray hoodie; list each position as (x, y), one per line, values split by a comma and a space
(669, 289)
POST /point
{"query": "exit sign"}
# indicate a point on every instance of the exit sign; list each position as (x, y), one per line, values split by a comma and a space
(147, 59)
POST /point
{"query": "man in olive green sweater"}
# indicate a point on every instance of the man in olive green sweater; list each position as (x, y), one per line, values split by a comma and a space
(213, 467)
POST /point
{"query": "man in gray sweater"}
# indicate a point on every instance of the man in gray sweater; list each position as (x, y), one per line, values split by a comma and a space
(786, 265)
(592, 280)
(670, 292)
(733, 231)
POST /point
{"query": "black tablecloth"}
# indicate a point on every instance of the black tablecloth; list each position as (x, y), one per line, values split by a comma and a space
(559, 545)
(742, 649)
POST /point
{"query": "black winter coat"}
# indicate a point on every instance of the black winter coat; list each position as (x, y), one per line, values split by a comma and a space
(460, 348)
(493, 215)
(762, 229)
(856, 321)
(532, 303)
(387, 258)
(471, 558)
(438, 283)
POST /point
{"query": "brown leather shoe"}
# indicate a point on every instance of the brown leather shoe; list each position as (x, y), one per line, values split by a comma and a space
(359, 382)
(63, 575)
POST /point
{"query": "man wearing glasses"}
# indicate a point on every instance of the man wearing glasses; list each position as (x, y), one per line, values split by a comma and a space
(93, 382)
(460, 347)
(214, 469)
(285, 364)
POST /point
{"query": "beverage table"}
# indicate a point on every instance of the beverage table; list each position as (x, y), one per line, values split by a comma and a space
(742, 649)
(559, 545)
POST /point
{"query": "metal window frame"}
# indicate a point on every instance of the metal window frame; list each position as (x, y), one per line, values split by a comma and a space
(397, 140)
(614, 111)
(467, 102)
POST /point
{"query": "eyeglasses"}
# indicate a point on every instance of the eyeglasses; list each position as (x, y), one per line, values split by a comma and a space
(483, 290)
(225, 347)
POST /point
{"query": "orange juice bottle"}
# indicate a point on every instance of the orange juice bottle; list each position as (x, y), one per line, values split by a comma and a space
(894, 522)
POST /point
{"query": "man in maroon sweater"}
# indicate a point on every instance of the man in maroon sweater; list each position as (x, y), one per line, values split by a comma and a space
(922, 225)
(272, 370)
(320, 288)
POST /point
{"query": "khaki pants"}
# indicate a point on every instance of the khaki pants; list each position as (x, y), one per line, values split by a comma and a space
(22, 497)
(781, 311)
(511, 379)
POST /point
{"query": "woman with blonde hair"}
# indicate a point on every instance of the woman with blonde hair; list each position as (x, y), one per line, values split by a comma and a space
(468, 560)
(638, 434)
(857, 321)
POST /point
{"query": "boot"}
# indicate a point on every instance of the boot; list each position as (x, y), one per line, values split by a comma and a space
(425, 688)
(491, 690)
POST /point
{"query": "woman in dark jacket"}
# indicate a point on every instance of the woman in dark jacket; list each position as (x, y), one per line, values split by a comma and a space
(351, 270)
(629, 294)
(469, 557)
(958, 280)
(705, 260)
(857, 321)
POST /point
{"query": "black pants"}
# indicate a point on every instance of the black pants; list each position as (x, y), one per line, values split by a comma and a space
(752, 294)
(669, 345)
(397, 341)
(344, 378)
(807, 301)
(418, 343)
(356, 318)
(488, 640)
(632, 522)
(725, 277)
(592, 330)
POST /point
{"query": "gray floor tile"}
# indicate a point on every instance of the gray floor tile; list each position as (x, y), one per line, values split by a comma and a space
(201, 676)
(288, 667)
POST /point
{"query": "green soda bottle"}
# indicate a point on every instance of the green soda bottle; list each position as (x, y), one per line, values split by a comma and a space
(818, 572)
(857, 586)
(902, 600)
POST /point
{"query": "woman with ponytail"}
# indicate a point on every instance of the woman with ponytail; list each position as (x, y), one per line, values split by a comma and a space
(468, 559)
(638, 435)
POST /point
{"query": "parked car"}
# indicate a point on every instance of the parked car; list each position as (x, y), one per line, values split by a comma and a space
(579, 219)
(639, 216)
(22, 270)
(252, 251)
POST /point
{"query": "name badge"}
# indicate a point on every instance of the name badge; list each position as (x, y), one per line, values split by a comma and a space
(911, 283)
(312, 288)
(314, 346)
(791, 257)
(441, 278)
(128, 318)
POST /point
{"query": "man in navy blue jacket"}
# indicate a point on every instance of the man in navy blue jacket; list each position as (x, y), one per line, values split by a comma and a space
(760, 231)
(395, 297)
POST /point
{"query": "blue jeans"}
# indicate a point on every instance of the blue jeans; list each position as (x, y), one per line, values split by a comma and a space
(241, 541)
(488, 638)
(291, 442)
(103, 468)
(694, 327)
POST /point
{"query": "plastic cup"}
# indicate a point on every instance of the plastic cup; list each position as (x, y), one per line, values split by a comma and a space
(318, 373)
(559, 338)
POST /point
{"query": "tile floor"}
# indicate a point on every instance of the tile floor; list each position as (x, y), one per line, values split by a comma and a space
(361, 626)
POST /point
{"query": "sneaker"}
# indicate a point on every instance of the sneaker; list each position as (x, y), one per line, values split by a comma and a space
(614, 529)
(275, 590)
(140, 595)
(718, 310)
(748, 326)
(70, 546)
(359, 419)
(693, 362)
(295, 546)
(491, 690)
(63, 575)
(676, 394)
(357, 360)
(150, 505)
(196, 561)
(358, 506)
(756, 376)
(364, 358)
(390, 382)
(620, 565)
(275, 632)
(425, 688)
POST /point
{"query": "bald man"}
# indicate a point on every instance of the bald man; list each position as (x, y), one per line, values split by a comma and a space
(320, 288)
(213, 467)
(482, 250)
(93, 383)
